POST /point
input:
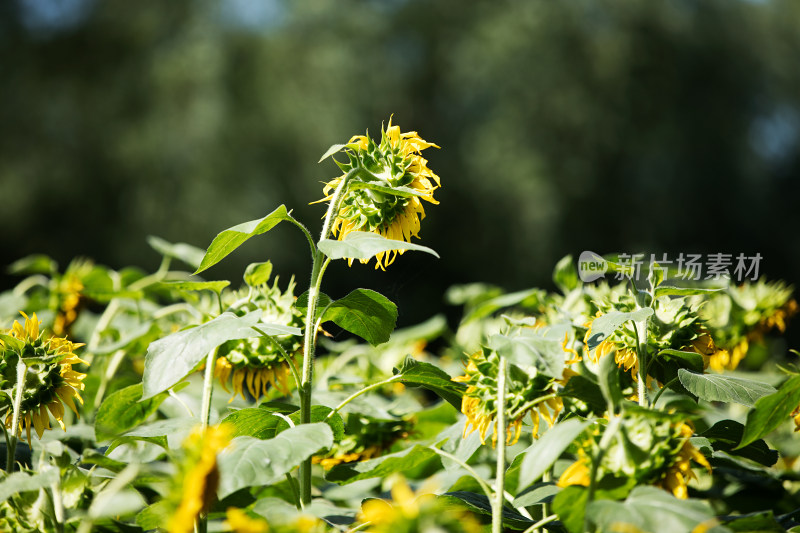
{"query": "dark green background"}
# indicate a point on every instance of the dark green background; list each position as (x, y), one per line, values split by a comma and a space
(613, 126)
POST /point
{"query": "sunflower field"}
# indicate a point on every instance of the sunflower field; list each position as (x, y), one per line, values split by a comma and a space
(140, 401)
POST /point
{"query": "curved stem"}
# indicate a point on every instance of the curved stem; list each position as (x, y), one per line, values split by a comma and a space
(641, 348)
(663, 389)
(317, 269)
(208, 387)
(11, 451)
(540, 523)
(500, 433)
(305, 231)
(289, 360)
(484, 486)
(362, 391)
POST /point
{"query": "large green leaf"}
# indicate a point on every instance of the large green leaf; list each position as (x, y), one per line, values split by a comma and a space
(248, 461)
(606, 324)
(381, 466)
(368, 314)
(719, 388)
(770, 411)
(230, 239)
(541, 455)
(364, 245)
(651, 509)
(584, 389)
(170, 359)
(528, 348)
(122, 411)
(431, 377)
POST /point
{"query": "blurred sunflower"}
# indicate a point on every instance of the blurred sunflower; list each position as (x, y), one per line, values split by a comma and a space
(386, 197)
(534, 395)
(195, 486)
(49, 376)
(410, 512)
(253, 376)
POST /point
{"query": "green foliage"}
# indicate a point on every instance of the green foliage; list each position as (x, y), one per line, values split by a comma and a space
(365, 245)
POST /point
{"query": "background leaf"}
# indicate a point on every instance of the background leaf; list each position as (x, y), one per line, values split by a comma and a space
(191, 255)
(251, 462)
(606, 324)
(215, 286)
(719, 388)
(381, 466)
(528, 348)
(257, 273)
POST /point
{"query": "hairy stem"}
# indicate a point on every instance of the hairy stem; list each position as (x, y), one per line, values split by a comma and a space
(500, 432)
(12, 438)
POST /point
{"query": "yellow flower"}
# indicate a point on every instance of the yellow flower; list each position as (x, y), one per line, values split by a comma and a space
(388, 200)
(576, 474)
(239, 522)
(201, 477)
(414, 512)
(681, 470)
(49, 376)
(256, 379)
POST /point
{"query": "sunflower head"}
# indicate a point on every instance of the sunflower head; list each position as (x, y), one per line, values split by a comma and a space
(196, 484)
(650, 447)
(49, 378)
(409, 512)
(527, 393)
(385, 197)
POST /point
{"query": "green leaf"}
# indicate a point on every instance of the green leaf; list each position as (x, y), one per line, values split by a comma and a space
(690, 360)
(248, 462)
(404, 192)
(565, 275)
(170, 359)
(365, 245)
(33, 264)
(22, 482)
(257, 273)
(381, 466)
(718, 388)
(665, 290)
(490, 305)
(585, 390)
(759, 522)
(332, 150)
(431, 377)
(651, 509)
(529, 348)
(191, 255)
(608, 379)
(122, 411)
(480, 504)
(301, 304)
(541, 455)
(215, 286)
(570, 506)
(606, 324)
(725, 435)
(365, 313)
(155, 515)
(770, 411)
(542, 492)
(262, 422)
(230, 239)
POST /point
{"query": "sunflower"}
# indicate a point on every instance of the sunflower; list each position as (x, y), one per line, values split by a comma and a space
(385, 198)
(199, 476)
(535, 396)
(257, 378)
(680, 471)
(238, 521)
(411, 512)
(49, 376)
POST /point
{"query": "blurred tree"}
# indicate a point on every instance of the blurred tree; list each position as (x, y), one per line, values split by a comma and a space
(608, 125)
